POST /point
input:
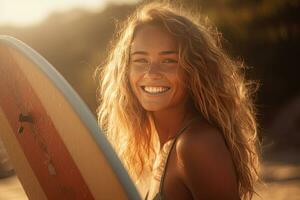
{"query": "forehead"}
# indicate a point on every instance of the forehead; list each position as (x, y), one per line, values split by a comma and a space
(153, 38)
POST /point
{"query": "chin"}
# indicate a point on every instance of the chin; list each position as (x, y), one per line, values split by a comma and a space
(152, 108)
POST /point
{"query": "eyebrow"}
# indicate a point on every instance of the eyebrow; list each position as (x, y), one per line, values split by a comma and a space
(160, 53)
(139, 52)
(168, 52)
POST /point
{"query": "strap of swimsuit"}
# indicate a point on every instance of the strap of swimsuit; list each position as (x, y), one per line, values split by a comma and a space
(168, 157)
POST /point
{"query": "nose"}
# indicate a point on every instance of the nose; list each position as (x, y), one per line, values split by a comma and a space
(154, 71)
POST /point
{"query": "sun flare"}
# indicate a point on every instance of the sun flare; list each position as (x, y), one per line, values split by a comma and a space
(29, 12)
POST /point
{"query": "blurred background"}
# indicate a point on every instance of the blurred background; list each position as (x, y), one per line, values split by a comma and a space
(73, 36)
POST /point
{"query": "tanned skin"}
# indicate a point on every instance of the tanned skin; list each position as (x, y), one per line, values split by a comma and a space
(200, 165)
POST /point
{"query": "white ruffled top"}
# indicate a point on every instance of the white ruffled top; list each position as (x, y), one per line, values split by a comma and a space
(151, 182)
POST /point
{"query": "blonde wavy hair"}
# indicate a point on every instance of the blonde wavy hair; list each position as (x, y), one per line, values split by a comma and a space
(217, 88)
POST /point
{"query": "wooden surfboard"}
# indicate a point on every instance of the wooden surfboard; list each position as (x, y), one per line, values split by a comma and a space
(50, 135)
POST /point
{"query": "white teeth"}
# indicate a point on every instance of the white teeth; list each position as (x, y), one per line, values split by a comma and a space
(155, 90)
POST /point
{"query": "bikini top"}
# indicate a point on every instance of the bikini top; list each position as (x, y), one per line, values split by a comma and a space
(167, 149)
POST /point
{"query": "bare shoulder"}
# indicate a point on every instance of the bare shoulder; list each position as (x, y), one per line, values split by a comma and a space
(205, 163)
(201, 138)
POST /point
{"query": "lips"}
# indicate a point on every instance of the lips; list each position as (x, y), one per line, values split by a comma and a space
(155, 89)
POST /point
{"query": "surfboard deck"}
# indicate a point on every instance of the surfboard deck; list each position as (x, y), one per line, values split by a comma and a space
(52, 138)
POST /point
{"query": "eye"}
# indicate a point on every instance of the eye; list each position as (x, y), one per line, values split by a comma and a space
(140, 60)
(169, 60)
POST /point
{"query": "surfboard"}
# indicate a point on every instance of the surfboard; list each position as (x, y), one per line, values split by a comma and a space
(52, 138)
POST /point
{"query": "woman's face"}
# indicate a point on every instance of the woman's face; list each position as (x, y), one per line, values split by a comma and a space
(156, 78)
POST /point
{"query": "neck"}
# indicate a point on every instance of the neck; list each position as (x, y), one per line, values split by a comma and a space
(169, 122)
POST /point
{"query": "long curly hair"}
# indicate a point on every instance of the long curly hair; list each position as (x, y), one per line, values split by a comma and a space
(217, 87)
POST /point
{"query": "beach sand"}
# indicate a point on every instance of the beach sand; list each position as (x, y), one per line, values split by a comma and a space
(281, 182)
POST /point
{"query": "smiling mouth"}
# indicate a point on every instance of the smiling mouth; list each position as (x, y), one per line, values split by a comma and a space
(155, 89)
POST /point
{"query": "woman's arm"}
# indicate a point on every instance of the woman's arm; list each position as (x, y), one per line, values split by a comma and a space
(205, 165)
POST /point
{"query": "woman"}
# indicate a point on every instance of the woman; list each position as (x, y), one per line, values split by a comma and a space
(177, 110)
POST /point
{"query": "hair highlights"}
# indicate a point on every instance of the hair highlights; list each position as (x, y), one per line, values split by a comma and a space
(217, 87)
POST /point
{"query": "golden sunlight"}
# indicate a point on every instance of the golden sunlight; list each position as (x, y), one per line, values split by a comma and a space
(30, 12)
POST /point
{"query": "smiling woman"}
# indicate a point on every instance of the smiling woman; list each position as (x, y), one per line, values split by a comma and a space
(177, 110)
(155, 75)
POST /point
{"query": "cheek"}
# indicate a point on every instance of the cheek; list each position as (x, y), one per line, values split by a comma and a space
(186, 77)
(182, 84)
(182, 78)
(133, 79)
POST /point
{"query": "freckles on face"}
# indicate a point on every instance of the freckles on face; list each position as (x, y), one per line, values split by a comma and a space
(156, 78)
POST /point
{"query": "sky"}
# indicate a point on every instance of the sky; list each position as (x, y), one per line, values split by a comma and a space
(30, 12)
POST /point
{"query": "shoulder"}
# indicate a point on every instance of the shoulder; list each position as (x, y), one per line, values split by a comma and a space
(205, 164)
(200, 139)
